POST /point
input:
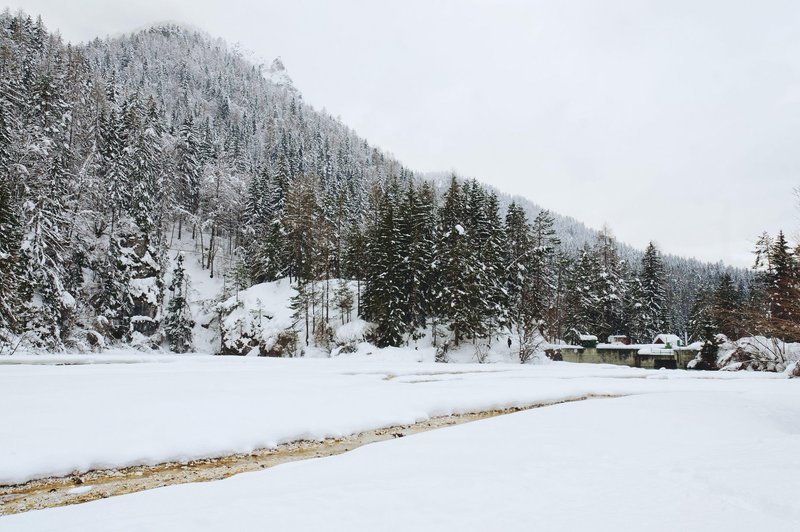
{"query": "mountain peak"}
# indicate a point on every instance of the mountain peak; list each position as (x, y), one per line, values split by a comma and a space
(278, 75)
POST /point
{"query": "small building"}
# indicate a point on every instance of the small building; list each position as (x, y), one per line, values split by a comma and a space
(619, 339)
(668, 340)
(581, 339)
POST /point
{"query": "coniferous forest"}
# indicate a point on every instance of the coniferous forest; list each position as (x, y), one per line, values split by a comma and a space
(223, 309)
(113, 149)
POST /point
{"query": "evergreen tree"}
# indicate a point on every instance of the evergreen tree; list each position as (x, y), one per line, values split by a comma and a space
(610, 285)
(582, 299)
(111, 297)
(12, 296)
(782, 280)
(385, 303)
(703, 316)
(454, 298)
(302, 226)
(491, 251)
(178, 323)
(542, 272)
(188, 170)
(648, 315)
(773, 309)
(518, 265)
(44, 248)
(726, 309)
(416, 226)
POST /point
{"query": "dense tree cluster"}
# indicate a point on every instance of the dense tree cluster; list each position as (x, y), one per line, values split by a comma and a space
(453, 262)
(769, 306)
(113, 150)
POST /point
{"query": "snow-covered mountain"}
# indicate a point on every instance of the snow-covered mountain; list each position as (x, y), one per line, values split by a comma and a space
(114, 148)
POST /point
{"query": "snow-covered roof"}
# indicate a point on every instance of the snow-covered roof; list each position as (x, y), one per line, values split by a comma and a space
(618, 346)
(651, 350)
(587, 337)
(673, 339)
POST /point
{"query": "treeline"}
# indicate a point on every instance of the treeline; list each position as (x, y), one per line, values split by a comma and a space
(111, 150)
(455, 264)
(770, 308)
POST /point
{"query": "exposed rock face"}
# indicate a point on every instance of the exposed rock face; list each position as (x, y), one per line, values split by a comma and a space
(285, 344)
(145, 283)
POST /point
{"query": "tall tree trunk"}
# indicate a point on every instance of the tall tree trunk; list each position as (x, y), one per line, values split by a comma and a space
(202, 248)
(212, 250)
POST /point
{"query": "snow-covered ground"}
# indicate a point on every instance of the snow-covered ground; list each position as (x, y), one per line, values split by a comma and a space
(721, 460)
(138, 409)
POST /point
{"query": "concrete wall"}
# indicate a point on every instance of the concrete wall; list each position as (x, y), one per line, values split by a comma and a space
(620, 357)
(629, 357)
(685, 355)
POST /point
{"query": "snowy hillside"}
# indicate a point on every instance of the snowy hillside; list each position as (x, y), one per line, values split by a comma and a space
(117, 149)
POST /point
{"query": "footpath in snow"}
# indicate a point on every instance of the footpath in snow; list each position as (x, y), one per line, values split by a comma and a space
(690, 461)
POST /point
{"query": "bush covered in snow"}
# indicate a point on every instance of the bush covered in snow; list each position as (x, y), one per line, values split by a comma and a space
(757, 353)
(257, 321)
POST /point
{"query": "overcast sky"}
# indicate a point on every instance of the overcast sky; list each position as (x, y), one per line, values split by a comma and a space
(676, 121)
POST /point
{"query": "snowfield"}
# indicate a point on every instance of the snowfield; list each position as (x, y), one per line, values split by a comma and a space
(719, 461)
(135, 409)
(684, 451)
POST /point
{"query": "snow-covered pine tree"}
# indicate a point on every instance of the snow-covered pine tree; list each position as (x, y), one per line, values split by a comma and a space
(177, 321)
(491, 243)
(416, 219)
(542, 273)
(726, 307)
(517, 264)
(702, 316)
(44, 248)
(582, 298)
(266, 245)
(301, 222)
(648, 314)
(456, 272)
(611, 285)
(12, 295)
(775, 291)
(783, 280)
(385, 302)
(187, 174)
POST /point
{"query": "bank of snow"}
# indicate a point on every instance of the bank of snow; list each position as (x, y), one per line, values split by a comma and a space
(62, 418)
(662, 462)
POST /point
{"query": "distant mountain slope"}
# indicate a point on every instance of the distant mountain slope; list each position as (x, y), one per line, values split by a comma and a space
(112, 149)
(253, 114)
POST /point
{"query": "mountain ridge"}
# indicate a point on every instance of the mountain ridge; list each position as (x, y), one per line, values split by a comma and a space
(168, 129)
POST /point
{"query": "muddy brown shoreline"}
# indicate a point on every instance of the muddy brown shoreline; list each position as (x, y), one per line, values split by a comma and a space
(87, 486)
